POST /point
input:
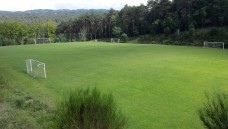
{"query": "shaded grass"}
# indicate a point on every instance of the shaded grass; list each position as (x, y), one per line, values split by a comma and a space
(20, 111)
(156, 86)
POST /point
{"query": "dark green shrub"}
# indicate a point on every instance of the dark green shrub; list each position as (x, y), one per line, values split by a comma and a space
(6, 42)
(124, 38)
(192, 30)
(214, 114)
(28, 41)
(191, 33)
(19, 102)
(34, 105)
(214, 32)
(89, 109)
(167, 31)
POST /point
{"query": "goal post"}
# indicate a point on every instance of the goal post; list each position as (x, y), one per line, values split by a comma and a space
(117, 40)
(214, 44)
(42, 40)
(35, 68)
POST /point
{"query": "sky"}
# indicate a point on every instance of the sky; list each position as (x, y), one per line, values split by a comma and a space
(22, 5)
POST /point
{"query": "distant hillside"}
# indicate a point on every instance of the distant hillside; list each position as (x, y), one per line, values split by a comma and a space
(43, 15)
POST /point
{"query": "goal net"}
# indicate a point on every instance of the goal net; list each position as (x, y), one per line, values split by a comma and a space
(214, 44)
(42, 40)
(115, 40)
(35, 68)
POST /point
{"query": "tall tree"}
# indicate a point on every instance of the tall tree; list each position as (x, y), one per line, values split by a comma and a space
(183, 11)
(23, 32)
(111, 19)
(116, 31)
(50, 29)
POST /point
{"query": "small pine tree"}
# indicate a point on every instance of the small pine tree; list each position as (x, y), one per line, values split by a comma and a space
(214, 114)
(89, 109)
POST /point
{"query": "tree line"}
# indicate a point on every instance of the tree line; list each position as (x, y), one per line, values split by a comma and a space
(15, 33)
(157, 17)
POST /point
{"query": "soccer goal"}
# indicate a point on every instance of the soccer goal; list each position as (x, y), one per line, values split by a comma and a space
(36, 68)
(214, 44)
(113, 40)
(42, 40)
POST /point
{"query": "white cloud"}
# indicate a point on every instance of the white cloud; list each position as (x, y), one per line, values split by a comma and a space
(21, 5)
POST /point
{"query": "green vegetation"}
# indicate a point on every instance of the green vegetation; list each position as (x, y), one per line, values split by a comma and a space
(124, 38)
(44, 15)
(19, 109)
(156, 86)
(16, 33)
(89, 109)
(178, 21)
(214, 114)
(185, 38)
(116, 31)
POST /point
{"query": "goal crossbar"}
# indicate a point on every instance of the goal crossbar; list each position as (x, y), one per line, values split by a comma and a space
(206, 44)
(115, 39)
(42, 40)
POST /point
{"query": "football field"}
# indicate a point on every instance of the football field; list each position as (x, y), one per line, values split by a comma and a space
(156, 86)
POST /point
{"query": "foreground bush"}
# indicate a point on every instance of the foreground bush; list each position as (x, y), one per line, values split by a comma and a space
(89, 109)
(214, 114)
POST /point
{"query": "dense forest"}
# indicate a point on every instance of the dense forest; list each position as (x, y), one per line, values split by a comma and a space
(177, 21)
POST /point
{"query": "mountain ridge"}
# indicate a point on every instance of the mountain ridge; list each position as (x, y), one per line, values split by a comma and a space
(44, 15)
(54, 11)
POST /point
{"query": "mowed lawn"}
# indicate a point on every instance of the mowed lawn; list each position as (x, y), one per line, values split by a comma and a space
(157, 86)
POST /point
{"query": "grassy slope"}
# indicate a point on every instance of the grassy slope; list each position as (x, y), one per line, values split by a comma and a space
(156, 86)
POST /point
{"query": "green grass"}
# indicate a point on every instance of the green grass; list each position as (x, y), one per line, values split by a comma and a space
(157, 86)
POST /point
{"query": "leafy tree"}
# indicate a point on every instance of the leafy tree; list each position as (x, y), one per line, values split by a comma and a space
(23, 32)
(116, 31)
(10, 30)
(183, 11)
(200, 12)
(35, 30)
(170, 22)
(111, 20)
(133, 19)
(125, 19)
(49, 29)
(157, 26)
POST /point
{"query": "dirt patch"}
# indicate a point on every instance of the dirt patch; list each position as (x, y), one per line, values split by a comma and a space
(5, 114)
(4, 108)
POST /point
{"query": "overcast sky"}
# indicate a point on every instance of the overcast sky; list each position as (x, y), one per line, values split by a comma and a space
(22, 5)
